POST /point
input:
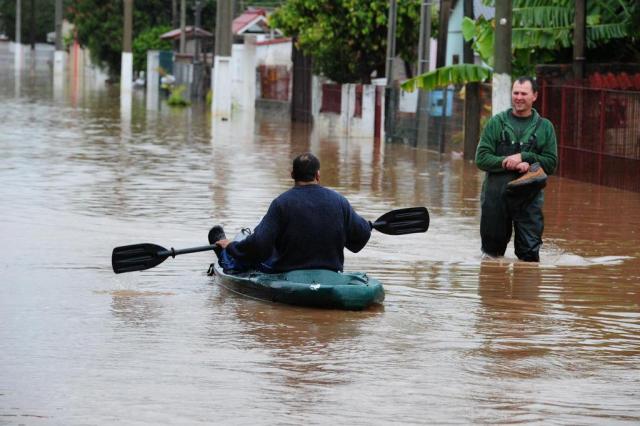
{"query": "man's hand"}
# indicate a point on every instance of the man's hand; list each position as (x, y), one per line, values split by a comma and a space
(223, 243)
(523, 167)
(511, 162)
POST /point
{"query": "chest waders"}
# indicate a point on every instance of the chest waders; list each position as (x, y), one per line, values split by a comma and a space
(502, 212)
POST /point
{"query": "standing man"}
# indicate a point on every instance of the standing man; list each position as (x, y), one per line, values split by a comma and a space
(306, 227)
(517, 149)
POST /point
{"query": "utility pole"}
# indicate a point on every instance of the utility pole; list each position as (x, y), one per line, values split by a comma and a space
(221, 73)
(391, 96)
(128, 24)
(441, 61)
(174, 14)
(32, 27)
(18, 21)
(424, 43)
(424, 53)
(59, 54)
(501, 96)
(579, 40)
(175, 22)
(183, 24)
(126, 70)
(224, 16)
(197, 13)
(471, 97)
(58, 25)
(197, 85)
(18, 51)
(441, 53)
(391, 41)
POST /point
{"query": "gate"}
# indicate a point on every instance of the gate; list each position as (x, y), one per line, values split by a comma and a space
(598, 133)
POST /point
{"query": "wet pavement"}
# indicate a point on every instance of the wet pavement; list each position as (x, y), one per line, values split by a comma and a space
(458, 339)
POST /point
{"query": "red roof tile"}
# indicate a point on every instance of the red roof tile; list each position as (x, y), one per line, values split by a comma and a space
(246, 19)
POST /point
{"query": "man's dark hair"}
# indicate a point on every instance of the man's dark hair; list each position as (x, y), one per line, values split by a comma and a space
(534, 84)
(305, 167)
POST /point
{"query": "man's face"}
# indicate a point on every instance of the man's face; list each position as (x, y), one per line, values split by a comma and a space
(522, 98)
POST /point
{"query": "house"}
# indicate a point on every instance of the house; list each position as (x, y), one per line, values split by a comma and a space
(252, 21)
(260, 54)
(192, 35)
(455, 41)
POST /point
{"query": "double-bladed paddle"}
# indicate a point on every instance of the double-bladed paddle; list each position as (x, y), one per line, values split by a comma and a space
(138, 257)
(403, 221)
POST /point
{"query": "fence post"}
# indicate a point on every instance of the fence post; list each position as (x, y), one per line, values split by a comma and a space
(544, 98)
(603, 113)
(563, 117)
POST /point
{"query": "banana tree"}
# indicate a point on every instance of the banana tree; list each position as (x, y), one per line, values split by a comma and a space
(540, 24)
(541, 33)
(445, 76)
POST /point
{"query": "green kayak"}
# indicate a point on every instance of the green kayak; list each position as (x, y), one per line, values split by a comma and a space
(318, 288)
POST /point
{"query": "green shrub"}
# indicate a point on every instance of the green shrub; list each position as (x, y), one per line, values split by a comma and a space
(176, 98)
(149, 39)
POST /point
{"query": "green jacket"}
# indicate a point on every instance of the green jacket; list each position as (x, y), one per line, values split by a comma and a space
(546, 154)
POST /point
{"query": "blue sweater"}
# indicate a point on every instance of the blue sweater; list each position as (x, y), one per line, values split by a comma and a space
(306, 227)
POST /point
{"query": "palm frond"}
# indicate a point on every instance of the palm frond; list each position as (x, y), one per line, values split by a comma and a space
(445, 76)
(543, 16)
(605, 32)
(541, 3)
(541, 38)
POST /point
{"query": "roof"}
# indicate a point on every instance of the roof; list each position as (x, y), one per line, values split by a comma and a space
(251, 21)
(188, 30)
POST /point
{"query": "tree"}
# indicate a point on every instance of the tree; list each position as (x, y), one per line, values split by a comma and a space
(543, 31)
(99, 25)
(347, 38)
(149, 39)
(44, 19)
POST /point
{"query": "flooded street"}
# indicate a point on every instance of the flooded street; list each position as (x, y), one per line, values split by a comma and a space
(458, 340)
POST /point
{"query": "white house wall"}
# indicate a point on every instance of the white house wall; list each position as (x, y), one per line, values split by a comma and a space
(274, 54)
(243, 75)
(455, 41)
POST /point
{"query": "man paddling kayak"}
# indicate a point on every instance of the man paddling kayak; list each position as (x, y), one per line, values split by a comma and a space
(306, 227)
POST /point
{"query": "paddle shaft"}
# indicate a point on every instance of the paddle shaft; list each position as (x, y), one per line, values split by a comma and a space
(173, 252)
(138, 257)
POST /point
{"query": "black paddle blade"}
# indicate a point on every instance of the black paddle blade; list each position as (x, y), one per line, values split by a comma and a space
(137, 257)
(403, 221)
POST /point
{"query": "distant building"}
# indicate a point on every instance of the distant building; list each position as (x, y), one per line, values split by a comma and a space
(455, 41)
(191, 34)
(252, 21)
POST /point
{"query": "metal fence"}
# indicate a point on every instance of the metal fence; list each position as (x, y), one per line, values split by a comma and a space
(598, 133)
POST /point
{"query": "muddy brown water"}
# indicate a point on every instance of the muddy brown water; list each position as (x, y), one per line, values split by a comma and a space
(458, 340)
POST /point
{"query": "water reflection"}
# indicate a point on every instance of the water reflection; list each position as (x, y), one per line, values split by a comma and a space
(304, 352)
(136, 308)
(512, 316)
